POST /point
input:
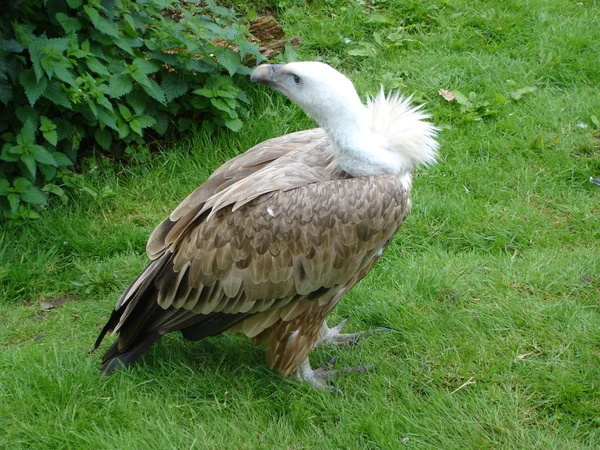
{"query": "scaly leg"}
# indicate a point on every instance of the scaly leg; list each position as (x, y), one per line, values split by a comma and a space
(334, 336)
(319, 378)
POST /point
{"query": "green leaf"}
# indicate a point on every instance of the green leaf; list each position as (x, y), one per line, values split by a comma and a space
(205, 92)
(85, 46)
(29, 163)
(225, 94)
(130, 23)
(234, 124)
(198, 102)
(26, 114)
(251, 15)
(162, 123)
(40, 154)
(74, 3)
(173, 87)
(109, 8)
(107, 118)
(516, 95)
(57, 95)
(140, 77)
(33, 195)
(146, 121)
(145, 66)
(21, 184)
(119, 85)
(220, 104)
(289, 53)
(61, 159)
(461, 98)
(69, 24)
(217, 32)
(123, 130)
(6, 92)
(195, 65)
(183, 123)
(125, 112)
(230, 60)
(135, 126)
(88, 190)
(8, 153)
(102, 100)
(14, 200)
(51, 137)
(48, 172)
(138, 100)
(379, 18)
(63, 74)
(154, 90)
(248, 48)
(100, 23)
(96, 66)
(46, 124)
(123, 45)
(595, 121)
(27, 213)
(241, 95)
(26, 136)
(103, 138)
(24, 33)
(33, 88)
(12, 46)
(4, 186)
(54, 189)
(93, 107)
(365, 49)
(36, 52)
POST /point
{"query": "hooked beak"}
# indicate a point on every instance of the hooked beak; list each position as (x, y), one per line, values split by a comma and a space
(265, 74)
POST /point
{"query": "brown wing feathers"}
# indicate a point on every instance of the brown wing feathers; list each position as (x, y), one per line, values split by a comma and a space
(272, 237)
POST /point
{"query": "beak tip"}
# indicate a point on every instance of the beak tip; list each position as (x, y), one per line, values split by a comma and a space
(264, 74)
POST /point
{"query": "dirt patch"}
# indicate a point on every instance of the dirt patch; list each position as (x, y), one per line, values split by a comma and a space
(55, 302)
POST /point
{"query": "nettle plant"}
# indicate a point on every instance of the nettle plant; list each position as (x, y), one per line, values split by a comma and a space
(110, 75)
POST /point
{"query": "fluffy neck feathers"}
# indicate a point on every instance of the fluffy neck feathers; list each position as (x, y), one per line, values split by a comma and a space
(387, 136)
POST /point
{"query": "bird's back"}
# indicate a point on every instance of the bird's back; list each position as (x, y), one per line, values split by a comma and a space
(267, 246)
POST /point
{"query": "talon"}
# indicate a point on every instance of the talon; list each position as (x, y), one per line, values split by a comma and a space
(340, 326)
(382, 330)
(334, 336)
(358, 369)
(319, 378)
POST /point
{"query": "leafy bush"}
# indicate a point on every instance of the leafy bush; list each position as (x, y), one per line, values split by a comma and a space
(107, 74)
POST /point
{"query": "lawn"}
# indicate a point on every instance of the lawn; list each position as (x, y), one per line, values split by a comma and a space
(492, 286)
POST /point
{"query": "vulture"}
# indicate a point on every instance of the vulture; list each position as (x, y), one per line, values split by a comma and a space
(272, 241)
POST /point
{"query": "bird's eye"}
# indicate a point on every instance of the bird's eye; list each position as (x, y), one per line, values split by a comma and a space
(296, 79)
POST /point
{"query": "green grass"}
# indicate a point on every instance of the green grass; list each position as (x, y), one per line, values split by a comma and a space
(493, 280)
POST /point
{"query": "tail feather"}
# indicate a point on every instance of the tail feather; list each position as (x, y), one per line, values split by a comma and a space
(115, 357)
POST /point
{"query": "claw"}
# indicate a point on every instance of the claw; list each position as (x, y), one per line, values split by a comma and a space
(332, 361)
(382, 330)
(334, 336)
(319, 378)
(340, 326)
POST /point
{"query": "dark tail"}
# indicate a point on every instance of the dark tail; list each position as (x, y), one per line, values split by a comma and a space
(135, 307)
(115, 357)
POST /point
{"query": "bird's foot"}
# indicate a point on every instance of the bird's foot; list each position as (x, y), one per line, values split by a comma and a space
(319, 378)
(334, 336)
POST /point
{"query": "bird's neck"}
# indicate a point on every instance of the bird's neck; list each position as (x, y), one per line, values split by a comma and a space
(357, 150)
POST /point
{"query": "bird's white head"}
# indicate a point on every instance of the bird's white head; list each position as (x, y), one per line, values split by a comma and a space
(320, 90)
(387, 136)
